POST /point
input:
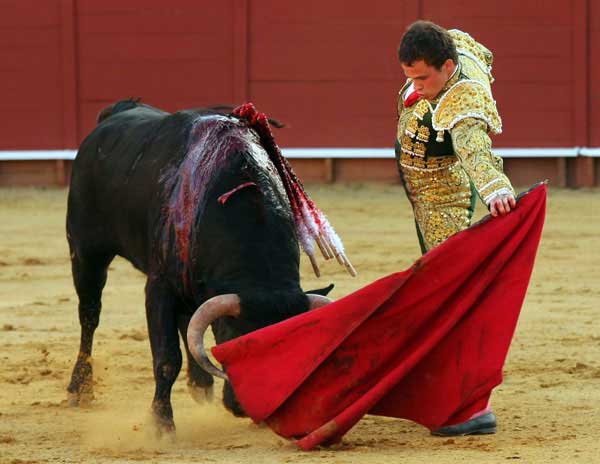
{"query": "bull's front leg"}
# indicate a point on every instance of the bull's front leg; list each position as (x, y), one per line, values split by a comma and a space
(161, 314)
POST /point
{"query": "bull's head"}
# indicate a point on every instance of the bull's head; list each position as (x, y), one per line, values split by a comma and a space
(244, 247)
(211, 310)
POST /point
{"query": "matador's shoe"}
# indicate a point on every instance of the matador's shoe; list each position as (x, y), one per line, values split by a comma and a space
(480, 425)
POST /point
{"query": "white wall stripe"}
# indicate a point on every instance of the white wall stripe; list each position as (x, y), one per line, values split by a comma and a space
(594, 152)
(26, 155)
(336, 153)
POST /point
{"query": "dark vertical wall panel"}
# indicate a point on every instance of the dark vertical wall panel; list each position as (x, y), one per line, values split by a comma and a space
(594, 63)
(69, 89)
(30, 75)
(584, 167)
(580, 77)
(240, 37)
(328, 69)
(174, 55)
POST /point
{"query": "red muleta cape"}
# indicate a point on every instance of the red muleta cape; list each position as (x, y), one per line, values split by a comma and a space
(427, 344)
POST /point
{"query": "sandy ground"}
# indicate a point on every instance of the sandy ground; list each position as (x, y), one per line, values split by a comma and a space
(547, 405)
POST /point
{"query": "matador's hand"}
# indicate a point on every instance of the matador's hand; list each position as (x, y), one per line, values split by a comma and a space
(502, 204)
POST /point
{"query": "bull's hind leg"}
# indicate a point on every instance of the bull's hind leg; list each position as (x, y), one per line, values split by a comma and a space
(161, 314)
(200, 382)
(89, 277)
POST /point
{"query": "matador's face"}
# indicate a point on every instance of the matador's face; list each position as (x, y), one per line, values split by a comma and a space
(428, 80)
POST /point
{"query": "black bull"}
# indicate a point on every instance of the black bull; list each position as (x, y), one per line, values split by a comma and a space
(192, 201)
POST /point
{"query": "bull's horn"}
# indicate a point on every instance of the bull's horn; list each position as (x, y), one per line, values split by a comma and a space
(206, 314)
(316, 301)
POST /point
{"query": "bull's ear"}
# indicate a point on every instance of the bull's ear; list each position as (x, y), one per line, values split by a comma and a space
(322, 291)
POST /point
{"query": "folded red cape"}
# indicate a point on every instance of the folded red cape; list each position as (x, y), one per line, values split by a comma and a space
(427, 344)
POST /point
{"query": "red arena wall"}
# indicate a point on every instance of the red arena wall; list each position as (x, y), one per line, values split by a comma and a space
(327, 69)
(30, 75)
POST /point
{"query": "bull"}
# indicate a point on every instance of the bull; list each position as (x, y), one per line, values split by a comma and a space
(196, 202)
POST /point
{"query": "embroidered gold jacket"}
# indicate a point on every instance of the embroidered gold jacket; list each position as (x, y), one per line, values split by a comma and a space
(432, 133)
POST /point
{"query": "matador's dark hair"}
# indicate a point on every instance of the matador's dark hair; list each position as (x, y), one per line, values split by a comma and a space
(424, 40)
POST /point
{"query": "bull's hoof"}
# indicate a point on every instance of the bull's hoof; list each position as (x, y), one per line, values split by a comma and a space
(80, 399)
(162, 420)
(164, 428)
(201, 395)
(75, 400)
(80, 392)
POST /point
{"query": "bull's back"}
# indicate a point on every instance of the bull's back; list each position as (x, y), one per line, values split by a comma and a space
(116, 191)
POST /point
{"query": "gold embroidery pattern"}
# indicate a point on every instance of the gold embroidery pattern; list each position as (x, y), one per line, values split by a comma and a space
(413, 137)
(423, 134)
(466, 99)
(476, 59)
(472, 145)
(472, 71)
(407, 145)
(412, 126)
(419, 149)
(441, 201)
(429, 164)
(412, 149)
(421, 108)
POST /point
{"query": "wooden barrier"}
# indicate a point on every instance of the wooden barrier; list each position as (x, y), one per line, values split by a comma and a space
(563, 167)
